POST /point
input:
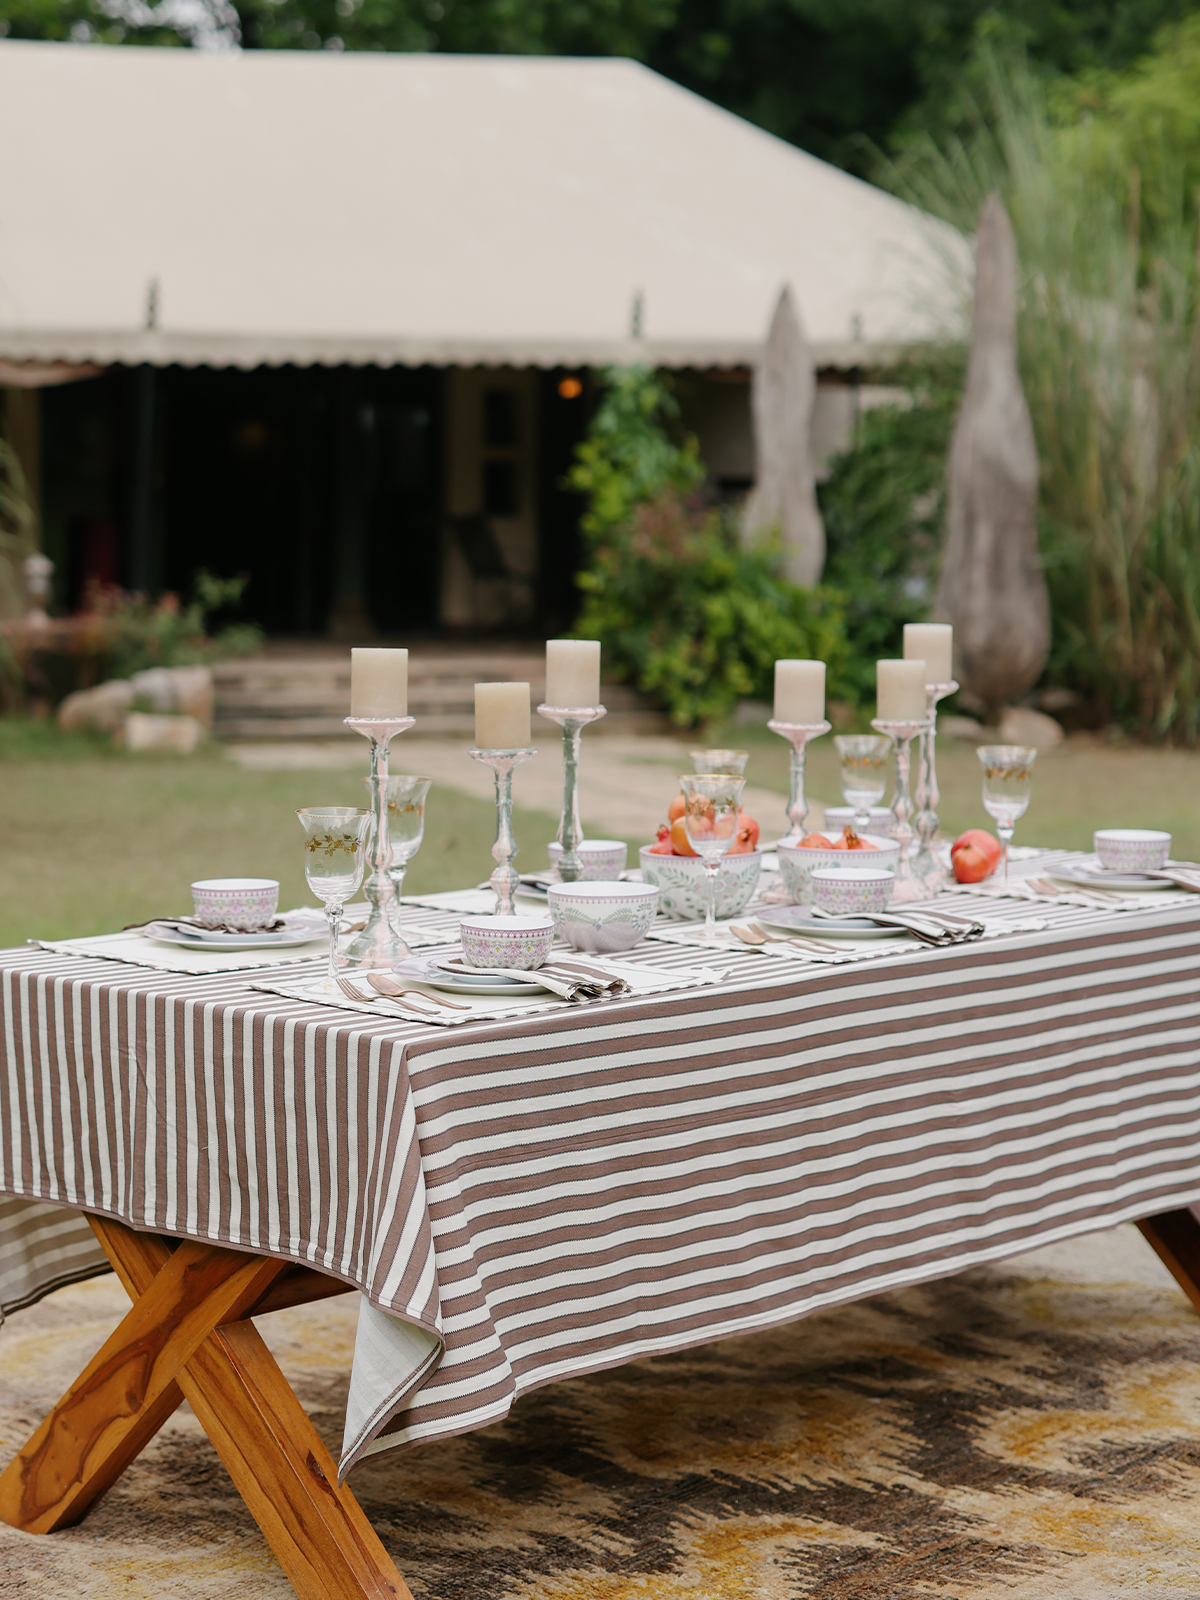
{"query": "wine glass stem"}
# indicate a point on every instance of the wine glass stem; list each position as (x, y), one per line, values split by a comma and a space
(334, 913)
(1005, 830)
(712, 867)
(396, 873)
(862, 820)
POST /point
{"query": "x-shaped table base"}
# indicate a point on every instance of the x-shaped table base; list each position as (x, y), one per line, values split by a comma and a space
(187, 1335)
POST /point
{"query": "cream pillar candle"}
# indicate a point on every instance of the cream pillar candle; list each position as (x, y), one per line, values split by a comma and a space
(800, 692)
(379, 683)
(572, 672)
(900, 691)
(932, 643)
(502, 716)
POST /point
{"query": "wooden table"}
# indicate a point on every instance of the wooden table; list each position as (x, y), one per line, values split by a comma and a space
(189, 1333)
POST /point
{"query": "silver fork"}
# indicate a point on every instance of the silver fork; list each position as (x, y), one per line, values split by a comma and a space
(752, 933)
(1100, 897)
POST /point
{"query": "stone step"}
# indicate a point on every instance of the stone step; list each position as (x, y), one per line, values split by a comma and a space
(306, 695)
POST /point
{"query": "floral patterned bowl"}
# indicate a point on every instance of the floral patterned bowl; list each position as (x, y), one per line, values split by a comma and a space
(839, 817)
(522, 942)
(602, 917)
(603, 859)
(243, 904)
(797, 864)
(684, 891)
(1131, 849)
(852, 891)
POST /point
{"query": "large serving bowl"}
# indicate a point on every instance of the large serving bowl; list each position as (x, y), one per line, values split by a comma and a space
(1131, 849)
(245, 904)
(522, 942)
(684, 889)
(603, 859)
(602, 917)
(798, 865)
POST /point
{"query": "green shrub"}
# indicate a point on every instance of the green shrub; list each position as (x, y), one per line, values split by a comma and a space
(129, 632)
(684, 607)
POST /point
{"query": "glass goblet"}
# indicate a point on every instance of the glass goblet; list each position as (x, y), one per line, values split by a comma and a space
(710, 821)
(406, 822)
(731, 761)
(335, 852)
(1007, 782)
(866, 760)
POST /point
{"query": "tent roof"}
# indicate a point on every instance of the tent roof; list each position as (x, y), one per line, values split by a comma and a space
(312, 207)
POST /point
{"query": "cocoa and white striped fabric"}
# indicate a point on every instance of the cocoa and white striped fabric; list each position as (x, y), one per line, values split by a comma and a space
(527, 1200)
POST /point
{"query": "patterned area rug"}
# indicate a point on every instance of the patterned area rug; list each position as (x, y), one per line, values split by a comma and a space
(1028, 1430)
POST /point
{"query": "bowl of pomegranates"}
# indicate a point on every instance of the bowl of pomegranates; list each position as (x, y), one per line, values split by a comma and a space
(798, 862)
(672, 864)
(683, 888)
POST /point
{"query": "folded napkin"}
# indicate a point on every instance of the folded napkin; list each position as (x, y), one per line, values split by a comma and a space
(1184, 876)
(191, 925)
(931, 927)
(570, 980)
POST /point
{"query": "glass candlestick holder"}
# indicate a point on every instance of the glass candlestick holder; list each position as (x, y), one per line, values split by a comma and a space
(380, 943)
(908, 885)
(504, 879)
(797, 734)
(572, 720)
(925, 863)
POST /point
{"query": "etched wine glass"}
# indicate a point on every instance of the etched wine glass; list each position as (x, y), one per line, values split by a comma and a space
(335, 852)
(1007, 783)
(710, 821)
(866, 760)
(406, 823)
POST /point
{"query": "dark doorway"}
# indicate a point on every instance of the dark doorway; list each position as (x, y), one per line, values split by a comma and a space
(320, 485)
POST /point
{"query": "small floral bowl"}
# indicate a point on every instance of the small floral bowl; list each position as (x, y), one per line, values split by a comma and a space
(243, 904)
(1131, 849)
(522, 942)
(839, 817)
(602, 917)
(852, 891)
(603, 859)
(797, 864)
(684, 888)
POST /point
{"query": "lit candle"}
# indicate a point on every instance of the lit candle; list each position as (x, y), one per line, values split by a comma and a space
(800, 692)
(932, 643)
(900, 691)
(379, 683)
(502, 716)
(572, 672)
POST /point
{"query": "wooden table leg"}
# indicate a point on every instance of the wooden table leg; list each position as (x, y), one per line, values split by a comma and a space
(187, 1335)
(1175, 1237)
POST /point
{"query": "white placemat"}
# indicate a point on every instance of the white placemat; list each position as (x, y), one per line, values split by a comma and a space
(315, 987)
(135, 948)
(839, 950)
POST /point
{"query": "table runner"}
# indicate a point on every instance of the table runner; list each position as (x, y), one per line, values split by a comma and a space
(527, 1200)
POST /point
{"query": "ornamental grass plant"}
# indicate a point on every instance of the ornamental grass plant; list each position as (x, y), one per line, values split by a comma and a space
(1109, 334)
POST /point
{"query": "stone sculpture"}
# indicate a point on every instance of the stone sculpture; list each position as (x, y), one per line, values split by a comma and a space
(785, 496)
(992, 586)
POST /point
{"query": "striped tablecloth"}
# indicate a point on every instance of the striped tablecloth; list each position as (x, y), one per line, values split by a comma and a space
(520, 1201)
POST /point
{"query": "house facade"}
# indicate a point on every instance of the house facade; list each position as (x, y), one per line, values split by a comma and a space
(332, 321)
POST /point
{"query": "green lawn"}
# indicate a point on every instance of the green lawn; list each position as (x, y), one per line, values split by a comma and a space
(97, 840)
(1078, 787)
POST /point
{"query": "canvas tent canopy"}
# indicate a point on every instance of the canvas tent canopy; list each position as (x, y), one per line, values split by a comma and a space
(239, 209)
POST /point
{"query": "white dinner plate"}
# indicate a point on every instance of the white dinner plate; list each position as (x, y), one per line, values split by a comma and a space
(472, 980)
(801, 919)
(296, 933)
